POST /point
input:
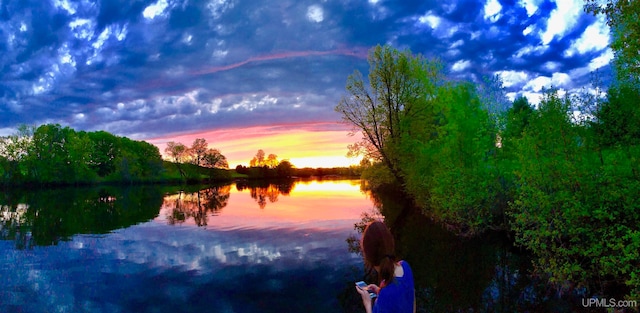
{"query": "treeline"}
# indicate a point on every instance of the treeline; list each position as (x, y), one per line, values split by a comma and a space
(562, 177)
(262, 166)
(196, 163)
(54, 155)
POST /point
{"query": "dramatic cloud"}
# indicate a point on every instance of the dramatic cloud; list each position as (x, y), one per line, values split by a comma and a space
(149, 69)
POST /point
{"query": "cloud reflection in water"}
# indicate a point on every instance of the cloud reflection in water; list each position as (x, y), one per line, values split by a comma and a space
(243, 259)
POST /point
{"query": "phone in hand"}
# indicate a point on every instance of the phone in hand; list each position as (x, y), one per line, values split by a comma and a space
(362, 285)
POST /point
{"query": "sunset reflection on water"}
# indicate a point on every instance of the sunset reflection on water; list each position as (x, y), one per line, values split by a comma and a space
(310, 204)
(182, 248)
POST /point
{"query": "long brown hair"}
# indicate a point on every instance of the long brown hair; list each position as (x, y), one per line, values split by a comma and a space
(378, 249)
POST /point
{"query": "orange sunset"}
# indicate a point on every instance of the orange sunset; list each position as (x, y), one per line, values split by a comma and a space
(307, 156)
(304, 145)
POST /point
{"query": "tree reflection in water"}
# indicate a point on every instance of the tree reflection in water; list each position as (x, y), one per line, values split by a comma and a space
(262, 191)
(453, 274)
(198, 205)
(43, 217)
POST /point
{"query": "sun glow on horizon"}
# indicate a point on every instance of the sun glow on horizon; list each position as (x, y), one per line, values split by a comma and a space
(304, 145)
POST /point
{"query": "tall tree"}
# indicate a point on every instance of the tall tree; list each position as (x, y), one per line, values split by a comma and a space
(401, 88)
(212, 158)
(618, 117)
(14, 150)
(178, 153)
(59, 155)
(104, 153)
(575, 209)
(622, 17)
(452, 173)
(198, 149)
(272, 161)
(258, 160)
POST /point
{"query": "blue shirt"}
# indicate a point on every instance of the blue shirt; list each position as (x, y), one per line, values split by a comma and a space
(397, 297)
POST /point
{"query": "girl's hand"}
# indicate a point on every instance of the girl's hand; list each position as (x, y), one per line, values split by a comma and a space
(366, 298)
(374, 288)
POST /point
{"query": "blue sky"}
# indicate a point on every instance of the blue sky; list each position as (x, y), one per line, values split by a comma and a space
(157, 68)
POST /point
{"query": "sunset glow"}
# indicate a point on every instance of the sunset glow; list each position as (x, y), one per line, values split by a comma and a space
(309, 145)
(306, 205)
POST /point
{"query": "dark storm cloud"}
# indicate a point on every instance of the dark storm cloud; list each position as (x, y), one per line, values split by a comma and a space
(147, 68)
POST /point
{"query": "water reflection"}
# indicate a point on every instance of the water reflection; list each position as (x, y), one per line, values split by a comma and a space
(196, 249)
(197, 205)
(45, 217)
(453, 274)
(223, 253)
(261, 191)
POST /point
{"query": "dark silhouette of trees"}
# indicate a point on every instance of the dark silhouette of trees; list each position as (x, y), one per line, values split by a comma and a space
(285, 169)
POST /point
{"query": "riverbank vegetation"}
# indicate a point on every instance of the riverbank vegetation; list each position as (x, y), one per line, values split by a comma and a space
(562, 177)
(52, 155)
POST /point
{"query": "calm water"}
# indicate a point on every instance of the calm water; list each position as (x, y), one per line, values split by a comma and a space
(236, 248)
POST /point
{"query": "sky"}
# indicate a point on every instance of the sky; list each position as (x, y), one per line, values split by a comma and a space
(248, 74)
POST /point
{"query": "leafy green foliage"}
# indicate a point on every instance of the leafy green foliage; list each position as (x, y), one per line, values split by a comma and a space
(397, 101)
(52, 154)
(565, 186)
(618, 118)
(622, 16)
(457, 167)
(575, 209)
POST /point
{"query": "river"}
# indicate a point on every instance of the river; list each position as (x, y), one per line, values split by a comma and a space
(245, 247)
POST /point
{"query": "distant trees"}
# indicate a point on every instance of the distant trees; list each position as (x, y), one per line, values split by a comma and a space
(177, 151)
(285, 169)
(213, 158)
(199, 154)
(198, 150)
(259, 160)
(52, 154)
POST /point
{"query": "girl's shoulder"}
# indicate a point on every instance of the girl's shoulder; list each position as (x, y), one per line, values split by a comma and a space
(406, 268)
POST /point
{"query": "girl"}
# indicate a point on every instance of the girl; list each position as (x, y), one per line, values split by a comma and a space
(395, 289)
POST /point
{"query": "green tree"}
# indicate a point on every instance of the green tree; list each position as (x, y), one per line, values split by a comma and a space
(59, 155)
(137, 161)
(618, 118)
(104, 152)
(14, 151)
(575, 210)
(516, 121)
(453, 174)
(401, 89)
(622, 16)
